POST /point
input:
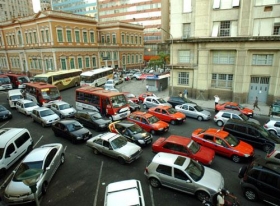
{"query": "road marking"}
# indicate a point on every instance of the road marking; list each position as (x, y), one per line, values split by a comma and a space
(4, 124)
(152, 195)
(38, 141)
(98, 183)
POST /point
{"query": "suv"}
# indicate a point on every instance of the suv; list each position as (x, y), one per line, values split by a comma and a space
(184, 174)
(273, 126)
(154, 101)
(261, 180)
(224, 115)
(174, 101)
(252, 133)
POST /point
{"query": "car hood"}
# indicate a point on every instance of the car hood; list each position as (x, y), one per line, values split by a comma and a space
(129, 149)
(17, 189)
(244, 148)
(50, 117)
(142, 135)
(79, 132)
(206, 113)
(247, 111)
(178, 115)
(254, 120)
(4, 112)
(67, 111)
(212, 179)
(160, 124)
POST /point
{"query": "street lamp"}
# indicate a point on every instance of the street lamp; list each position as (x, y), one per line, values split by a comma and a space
(30, 178)
(171, 58)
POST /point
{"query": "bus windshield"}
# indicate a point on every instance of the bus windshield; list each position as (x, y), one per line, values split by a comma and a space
(5, 80)
(87, 79)
(41, 79)
(50, 93)
(118, 101)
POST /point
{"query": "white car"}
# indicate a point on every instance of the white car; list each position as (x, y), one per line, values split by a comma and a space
(47, 158)
(45, 116)
(110, 82)
(63, 109)
(26, 106)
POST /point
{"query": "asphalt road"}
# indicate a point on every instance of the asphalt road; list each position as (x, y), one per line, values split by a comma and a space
(82, 180)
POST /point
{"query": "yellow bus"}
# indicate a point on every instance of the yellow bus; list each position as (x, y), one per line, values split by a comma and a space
(62, 79)
(96, 77)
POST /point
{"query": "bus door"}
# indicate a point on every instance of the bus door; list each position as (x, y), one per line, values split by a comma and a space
(104, 105)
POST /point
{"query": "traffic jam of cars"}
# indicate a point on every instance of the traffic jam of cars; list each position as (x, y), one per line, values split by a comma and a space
(181, 162)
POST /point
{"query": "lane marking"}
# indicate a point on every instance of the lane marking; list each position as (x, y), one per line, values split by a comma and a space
(152, 195)
(4, 124)
(98, 184)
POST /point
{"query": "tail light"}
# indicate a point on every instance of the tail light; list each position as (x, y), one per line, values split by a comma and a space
(265, 126)
(146, 170)
(268, 155)
(215, 117)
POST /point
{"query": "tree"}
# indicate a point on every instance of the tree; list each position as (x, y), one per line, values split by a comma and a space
(159, 61)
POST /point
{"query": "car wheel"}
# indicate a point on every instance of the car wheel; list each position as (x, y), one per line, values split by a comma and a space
(121, 160)
(267, 148)
(173, 122)
(25, 113)
(199, 118)
(3, 172)
(250, 194)
(219, 123)
(145, 106)
(235, 158)
(95, 151)
(154, 182)
(272, 132)
(62, 159)
(153, 132)
(201, 195)
(44, 188)
(96, 85)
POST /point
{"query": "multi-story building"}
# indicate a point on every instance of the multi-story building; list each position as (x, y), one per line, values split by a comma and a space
(53, 40)
(225, 47)
(11, 9)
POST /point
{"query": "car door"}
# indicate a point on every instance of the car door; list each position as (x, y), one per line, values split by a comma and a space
(255, 137)
(158, 113)
(225, 117)
(10, 155)
(182, 181)
(61, 129)
(89, 121)
(165, 116)
(143, 122)
(220, 146)
(52, 162)
(164, 173)
(107, 149)
(192, 112)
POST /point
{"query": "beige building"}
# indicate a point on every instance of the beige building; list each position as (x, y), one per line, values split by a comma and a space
(52, 40)
(225, 47)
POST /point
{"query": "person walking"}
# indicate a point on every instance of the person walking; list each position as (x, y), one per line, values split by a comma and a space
(217, 99)
(256, 104)
(147, 87)
(186, 93)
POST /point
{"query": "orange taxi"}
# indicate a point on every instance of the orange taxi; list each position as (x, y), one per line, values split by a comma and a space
(223, 143)
(148, 122)
(168, 114)
(235, 106)
(141, 97)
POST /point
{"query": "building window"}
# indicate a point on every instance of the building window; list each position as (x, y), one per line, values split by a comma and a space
(47, 35)
(224, 57)
(186, 30)
(128, 59)
(187, 6)
(225, 28)
(132, 59)
(87, 62)
(262, 59)
(59, 36)
(35, 37)
(69, 35)
(92, 37)
(103, 39)
(132, 40)
(136, 39)
(115, 55)
(72, 63)
(122, 38)
(276, 29)
(30, 37)
(42, 36)
(184, 56)
(140, 40)
(19, 38)
(63, 64)
(222, 80)
(127, 39)
(123, 60)
(80, 63)
(114, 38)
(136, 59)
(94, 61)
(26, 38)
(85, 37)
(108, 39)
(77, 36)
(183, 78)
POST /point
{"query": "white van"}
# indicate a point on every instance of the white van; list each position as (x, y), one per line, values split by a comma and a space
(14, 143)
(13, 96)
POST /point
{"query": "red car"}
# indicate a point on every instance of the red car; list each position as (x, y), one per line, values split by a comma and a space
(141, 97)
(131, 97)
(148, 122)
(184, 146)
(223, 143)
(168, 114)
(235, 106)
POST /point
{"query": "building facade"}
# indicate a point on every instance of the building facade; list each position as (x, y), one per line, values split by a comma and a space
(53, 40)
(225, 47)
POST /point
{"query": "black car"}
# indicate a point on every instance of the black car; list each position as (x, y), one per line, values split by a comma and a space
(71, 129)
(133, 132)
(4, 113)
(133, 106)
(92, 119)
(176, 100)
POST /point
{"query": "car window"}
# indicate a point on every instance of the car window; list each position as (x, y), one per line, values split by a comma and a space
(269, 179)
(254, 173)
(144, 121)
(106, 144)
(226, 115)
(252, 132)
(240, 128)
(185, 107)
(157, 110)
(208, 137)
(191, 109)
(50, 157)
(218, 140)
(277, 124)
(164, 112)
(163, 169)
(228, 107)
(234, 116)
(10, 149)
(180, 174)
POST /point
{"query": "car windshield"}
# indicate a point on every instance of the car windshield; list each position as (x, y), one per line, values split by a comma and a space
(266, 134)
(30, 104)
(232, 141)
(161, 100)
(118, 101)
(195, 170)
(74, 126)
(96, 115)
(240, 106)
(23, 79)
(171, 110)
(5, 80)
(64, 106)
(2, 108)
(153, 119)
(193, 147)
(198, 108)
(118, 142)
(1, 153)
(14, 97)
(87, 79)
(25, 166)
(130, 95)
(47, 112)
(244, 117)
(50, 93)
(135, 129)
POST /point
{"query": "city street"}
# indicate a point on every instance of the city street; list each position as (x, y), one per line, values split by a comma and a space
(83, 178)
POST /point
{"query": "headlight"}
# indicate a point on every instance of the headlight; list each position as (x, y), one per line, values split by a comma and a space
(250, 113)
(10, 113)
(246, 155)
(179, 119)
(102, 125)
(160, 129)
(141, 141)
(79, 137)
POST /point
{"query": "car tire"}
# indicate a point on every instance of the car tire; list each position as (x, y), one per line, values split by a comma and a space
(202, 195)
(272, 132)
(154, 182)
(153, 132)
(199, 118)
(219, 123)
(242, 171)
(173, 122)
(267, 148)
(145, 106)
(121, 160)
(236, 158)
(62, 159)
(95, 151)
(250, 194)
(44, 188)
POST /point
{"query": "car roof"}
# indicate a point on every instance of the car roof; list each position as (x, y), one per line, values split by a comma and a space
(230, 111)
(68, 121)
(178, 139)
(189, 104)
(89, 112)
(161, 107)
(15, 91)
(142, 114)
(37, 154)
(25, 101)
(59, 102)
(108, 135)
(42, 108)
(216, 132)
(125, 123)
(242, 122)
(170, 159)
(262, 163)
(6, 134)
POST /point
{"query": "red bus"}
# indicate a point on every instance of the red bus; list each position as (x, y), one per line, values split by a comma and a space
(5, 82)
(18, 80)
(41, 93)
(112, 104)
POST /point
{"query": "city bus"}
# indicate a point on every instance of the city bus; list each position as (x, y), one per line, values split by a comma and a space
(62, 79)
(112, 104)
(18, 80)
(5, 82)
(96, 77)
(41, 93)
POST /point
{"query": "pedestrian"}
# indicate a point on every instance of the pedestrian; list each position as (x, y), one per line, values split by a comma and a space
(256, 104)
(180, 94)
(186, 93)
(217, 99)
(147, 87)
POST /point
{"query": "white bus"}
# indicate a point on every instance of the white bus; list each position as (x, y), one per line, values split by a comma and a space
(96, 77)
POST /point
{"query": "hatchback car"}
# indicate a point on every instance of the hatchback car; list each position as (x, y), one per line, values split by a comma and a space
(115, 146)
(273, 126)
(183, 174)
(193, 111)
(224, 144)
(5, 114)
(25, 106)
(72, 130)
(142, 96)
(148, 122)
(176, 100)
(45, 116)
(92, 119)
(132, 131)
(110, 82)
(63, 109)
(168, 114)
(184, 146)
(154, 101)
(46, 158)
(235, 106)
(274, 156)
(224, 115)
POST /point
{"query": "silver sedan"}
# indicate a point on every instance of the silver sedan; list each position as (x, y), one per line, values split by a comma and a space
(193, 111)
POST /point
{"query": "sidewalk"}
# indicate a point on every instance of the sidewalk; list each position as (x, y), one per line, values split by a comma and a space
(138, 87)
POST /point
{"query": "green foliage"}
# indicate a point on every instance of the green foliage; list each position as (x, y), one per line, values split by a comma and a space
(160, 60)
